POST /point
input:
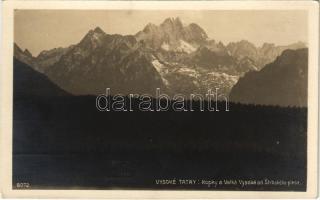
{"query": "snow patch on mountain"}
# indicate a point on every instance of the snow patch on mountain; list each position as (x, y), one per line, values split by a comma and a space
(189, 72)
(165, 46)
(185, 47)
(225, 76)
(181, 46)
(161, 69)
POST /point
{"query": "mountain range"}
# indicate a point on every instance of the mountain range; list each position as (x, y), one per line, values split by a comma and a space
(172, 56)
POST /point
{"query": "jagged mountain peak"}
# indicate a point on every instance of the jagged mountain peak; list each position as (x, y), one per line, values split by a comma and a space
(193, 32)
(172, 35)
(93, 38)
(242, 49)
(27, 52)
(98, 30)
(24, 56)
(172, 26)
(150, 28)
(172, 21)
(16, 48)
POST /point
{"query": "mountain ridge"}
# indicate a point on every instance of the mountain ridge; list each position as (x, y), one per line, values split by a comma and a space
(176, 57)
(283, 82)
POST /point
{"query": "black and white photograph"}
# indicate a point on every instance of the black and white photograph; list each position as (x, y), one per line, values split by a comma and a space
(161, 99)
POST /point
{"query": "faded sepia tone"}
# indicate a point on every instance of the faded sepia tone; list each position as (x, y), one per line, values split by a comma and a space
(66, 61)
(190, 51)
(62, 28)
(167, 67)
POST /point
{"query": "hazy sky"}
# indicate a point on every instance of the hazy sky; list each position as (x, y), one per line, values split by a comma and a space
(40, 30)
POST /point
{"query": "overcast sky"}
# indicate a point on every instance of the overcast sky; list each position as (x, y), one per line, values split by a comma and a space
(39, 30)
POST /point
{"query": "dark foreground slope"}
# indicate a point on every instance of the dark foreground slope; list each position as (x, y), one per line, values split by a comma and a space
(65, 142)
(28, 82)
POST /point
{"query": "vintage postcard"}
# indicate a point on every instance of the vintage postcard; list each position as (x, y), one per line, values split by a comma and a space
(151, 99)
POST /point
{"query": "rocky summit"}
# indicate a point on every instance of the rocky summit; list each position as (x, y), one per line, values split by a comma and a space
(176, 57)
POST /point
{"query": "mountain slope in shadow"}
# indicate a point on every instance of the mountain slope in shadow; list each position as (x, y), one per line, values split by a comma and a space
(28, 82)
(283, 82)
